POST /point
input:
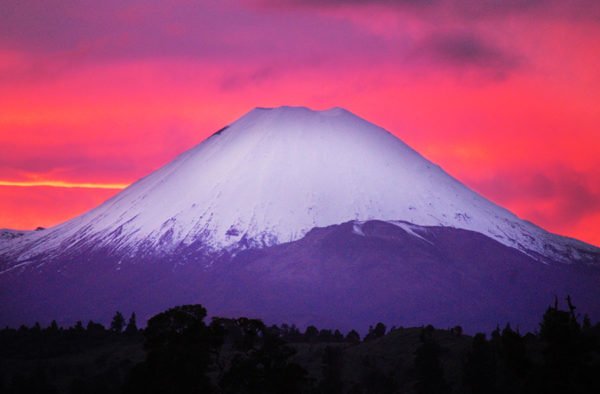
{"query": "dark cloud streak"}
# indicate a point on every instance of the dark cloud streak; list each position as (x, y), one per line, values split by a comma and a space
(465, 9)
(464, 49)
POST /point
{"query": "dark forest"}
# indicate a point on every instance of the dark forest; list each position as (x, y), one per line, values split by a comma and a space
(179, 351)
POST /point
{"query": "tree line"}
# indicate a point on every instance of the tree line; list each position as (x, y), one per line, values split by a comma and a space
(179, 351)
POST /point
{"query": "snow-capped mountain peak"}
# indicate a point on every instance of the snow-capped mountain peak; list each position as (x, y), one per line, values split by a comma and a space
(273, 175)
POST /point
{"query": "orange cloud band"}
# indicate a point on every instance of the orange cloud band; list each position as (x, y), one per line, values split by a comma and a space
(64, 184)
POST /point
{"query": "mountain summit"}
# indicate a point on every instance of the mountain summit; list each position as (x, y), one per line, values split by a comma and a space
(276, 205)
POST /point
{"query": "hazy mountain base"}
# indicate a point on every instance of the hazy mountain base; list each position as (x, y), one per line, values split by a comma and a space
(334, 276)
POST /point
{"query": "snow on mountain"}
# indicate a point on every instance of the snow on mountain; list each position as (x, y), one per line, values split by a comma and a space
(7, 234)
(275, 174)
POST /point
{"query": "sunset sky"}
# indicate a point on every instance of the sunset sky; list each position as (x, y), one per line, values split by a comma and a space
(504, 95)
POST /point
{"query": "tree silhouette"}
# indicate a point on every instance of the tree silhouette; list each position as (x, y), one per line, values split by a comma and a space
(118, 323)
(311, 334)
(565, 352)
(428, 367)
(178, 345)
(376, 332)
(261, 362)
(515, 363)
(131, 325)
(353, 337)
(480, 368)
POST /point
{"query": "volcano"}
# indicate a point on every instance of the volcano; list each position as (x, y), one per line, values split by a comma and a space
(298, 216)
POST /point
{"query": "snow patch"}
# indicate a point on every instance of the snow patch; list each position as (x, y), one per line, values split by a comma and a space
(410, 229)
(357, 229)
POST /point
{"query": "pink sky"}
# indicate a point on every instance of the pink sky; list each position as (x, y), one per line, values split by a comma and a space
(503, 95)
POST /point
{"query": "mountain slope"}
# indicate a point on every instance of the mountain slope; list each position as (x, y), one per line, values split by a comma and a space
(409, 275)
(344, 276)
(269, 178)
